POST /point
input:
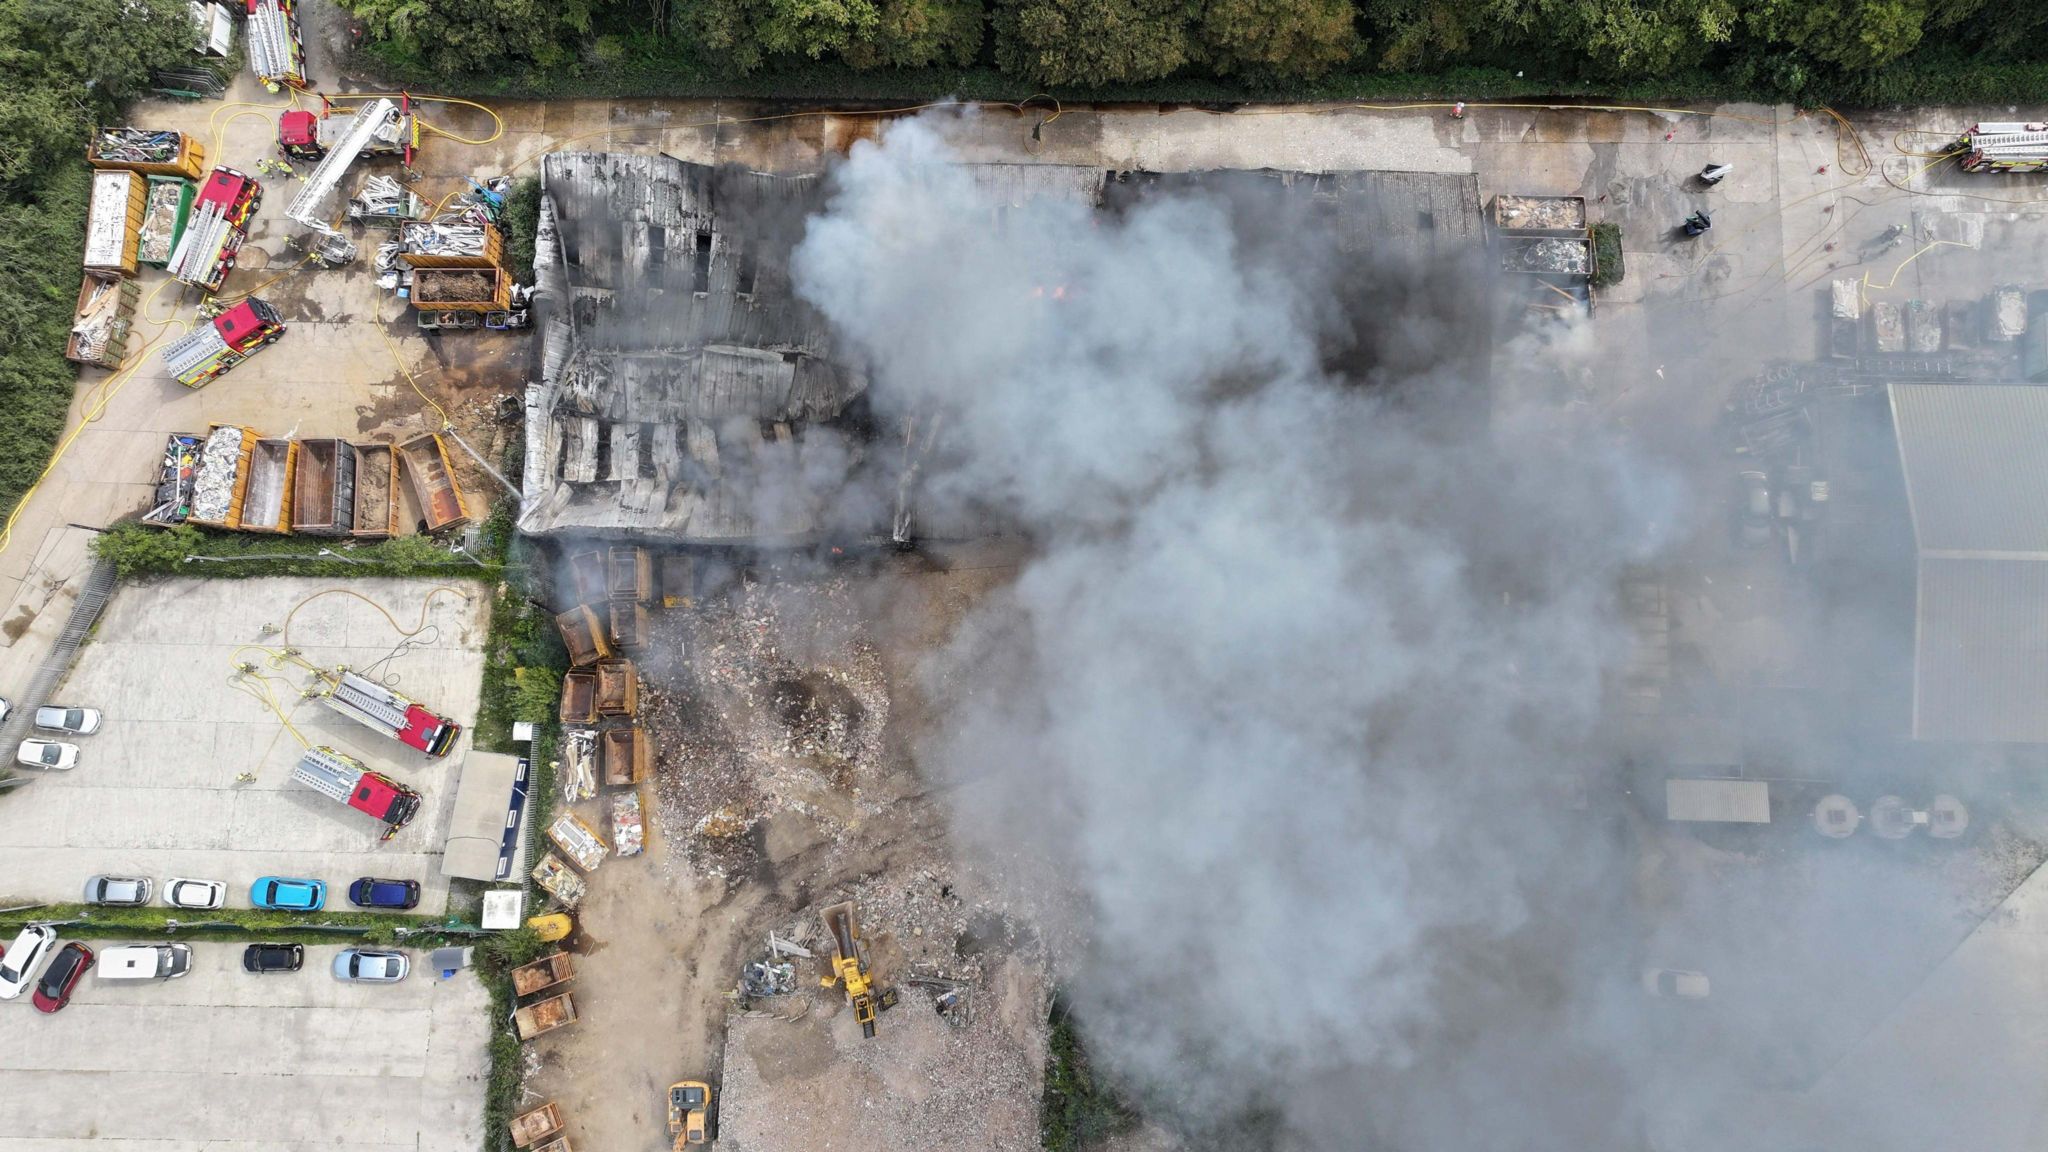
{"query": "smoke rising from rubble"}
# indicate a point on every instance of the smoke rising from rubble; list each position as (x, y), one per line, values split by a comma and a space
(1307, 645)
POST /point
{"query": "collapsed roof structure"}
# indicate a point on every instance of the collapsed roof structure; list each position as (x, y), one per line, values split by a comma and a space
(687, 394)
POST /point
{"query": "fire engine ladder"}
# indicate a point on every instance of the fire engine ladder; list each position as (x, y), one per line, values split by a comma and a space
(270, 42)
(306, 206)
(363, 700)
(327, 773)
(192, 350)
(200, 246)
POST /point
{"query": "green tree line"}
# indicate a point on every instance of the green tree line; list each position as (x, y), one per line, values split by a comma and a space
(65, 66)
(1767, 47)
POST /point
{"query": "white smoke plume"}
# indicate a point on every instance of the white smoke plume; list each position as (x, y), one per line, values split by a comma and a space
(1300, 657)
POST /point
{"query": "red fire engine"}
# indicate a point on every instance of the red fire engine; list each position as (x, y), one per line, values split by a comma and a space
(227, 340)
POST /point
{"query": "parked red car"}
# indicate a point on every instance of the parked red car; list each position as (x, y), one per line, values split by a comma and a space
(53, 992)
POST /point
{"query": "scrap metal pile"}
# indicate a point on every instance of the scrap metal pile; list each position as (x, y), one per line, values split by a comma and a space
(160, 220)
(450, 234)
(99, 321)
(138, 146)
(1549, 254)
(213, 489)
(382, 200)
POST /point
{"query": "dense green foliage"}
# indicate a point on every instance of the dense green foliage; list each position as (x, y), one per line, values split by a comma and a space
(138, 550)
(1608, 268)
(64, 67)
(1077, 1109)
(1847, 51)
(522, 220)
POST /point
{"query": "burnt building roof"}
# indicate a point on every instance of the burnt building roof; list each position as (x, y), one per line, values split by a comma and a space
(687, 393)
(1978, 493)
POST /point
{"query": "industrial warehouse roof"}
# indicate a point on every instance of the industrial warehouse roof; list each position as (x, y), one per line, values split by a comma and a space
(1977, 486)
(685, 391)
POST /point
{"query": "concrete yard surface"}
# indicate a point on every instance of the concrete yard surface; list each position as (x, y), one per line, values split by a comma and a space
(156, 791)
(227, 1061)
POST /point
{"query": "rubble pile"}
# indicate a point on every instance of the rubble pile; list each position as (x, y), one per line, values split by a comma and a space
(160, 221)
(213, 491)
(781, 700)
(1547, 212)
(957, 1064)
(1548, 255)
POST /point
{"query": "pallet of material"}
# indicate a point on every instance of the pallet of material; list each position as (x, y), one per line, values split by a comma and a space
(579, 842)
(628, 756)
(99, 325)
(113, 226)
(223, 479)
(539, 1124)
(579, 697)
(150, 151)
(618, 688)
(628, 624)
(559, 880)
(164, 212)
(376, 515)
(629, 826)
(268, 506)
(324, 490)
(432, 478)
(462, 289)
(545, 972)
(450, 243)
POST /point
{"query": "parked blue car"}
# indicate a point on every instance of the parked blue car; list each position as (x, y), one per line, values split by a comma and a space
(371, 892)
(283, 894)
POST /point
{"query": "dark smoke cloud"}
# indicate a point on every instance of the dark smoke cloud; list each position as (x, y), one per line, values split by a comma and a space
(1310, 637)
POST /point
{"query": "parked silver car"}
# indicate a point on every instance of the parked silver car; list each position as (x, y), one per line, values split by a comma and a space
(372, 965)
(77, 721)
(119, 891)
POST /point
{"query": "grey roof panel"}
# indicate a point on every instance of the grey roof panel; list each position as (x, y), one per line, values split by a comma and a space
(1981, 651)
(1976, 465)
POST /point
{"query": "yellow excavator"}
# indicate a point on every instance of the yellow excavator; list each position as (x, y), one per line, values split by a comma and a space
(850, 968)
(689, 1112)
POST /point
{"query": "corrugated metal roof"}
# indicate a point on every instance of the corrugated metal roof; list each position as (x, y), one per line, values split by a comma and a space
(1980, 661)
(1975, 465)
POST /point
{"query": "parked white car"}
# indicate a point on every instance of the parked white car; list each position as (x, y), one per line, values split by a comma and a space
(373, 965)
(77, 721)
(48, 754)
(19, 963)
(144, 962)
(1675, 983)
(180, 892)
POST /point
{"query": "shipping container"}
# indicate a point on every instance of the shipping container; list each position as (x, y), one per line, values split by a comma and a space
(579, 697)
(584, 636)
(376, 492)
(432, 479)
(324, 491)
(268, 506)
(627, 754)
(113, 227)
(100, 323)
(628, 624)
(631, 575)
(150, 151)
(618, 688)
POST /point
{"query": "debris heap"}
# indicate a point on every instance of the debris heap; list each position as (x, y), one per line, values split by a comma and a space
(213, 491)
